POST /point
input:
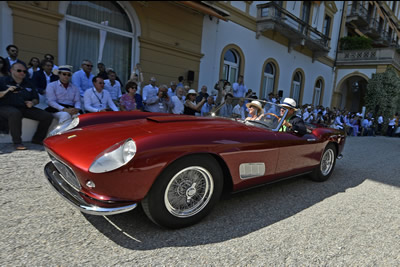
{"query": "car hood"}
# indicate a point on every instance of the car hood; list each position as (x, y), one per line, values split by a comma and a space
(80, 146)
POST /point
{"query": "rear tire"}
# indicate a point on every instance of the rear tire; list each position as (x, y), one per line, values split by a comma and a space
(326, 166)
(185, 192)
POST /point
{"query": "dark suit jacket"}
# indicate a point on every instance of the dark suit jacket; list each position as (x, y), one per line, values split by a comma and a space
(39, 80)
(18, 61)
(298, 125)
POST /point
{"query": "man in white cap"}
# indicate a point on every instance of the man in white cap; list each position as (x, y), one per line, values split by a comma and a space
(63, 97)
(291, 122)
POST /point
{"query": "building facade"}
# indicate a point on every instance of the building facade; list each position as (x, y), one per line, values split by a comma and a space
(290, 48)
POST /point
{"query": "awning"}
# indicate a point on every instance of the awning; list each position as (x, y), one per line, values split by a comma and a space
(203, 9)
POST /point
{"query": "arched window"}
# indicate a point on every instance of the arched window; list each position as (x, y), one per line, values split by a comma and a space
(296, 85)
(268, 80)
(99, 31)
(317, 93)
(231, 66)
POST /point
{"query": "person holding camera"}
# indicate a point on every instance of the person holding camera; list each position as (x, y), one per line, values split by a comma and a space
(161, 102)
(191, 107)
(17, 100)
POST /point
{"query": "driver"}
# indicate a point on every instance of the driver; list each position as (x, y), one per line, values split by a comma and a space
(292, 123)
(256, 112)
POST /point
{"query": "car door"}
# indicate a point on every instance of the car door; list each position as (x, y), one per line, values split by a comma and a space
(296, 153)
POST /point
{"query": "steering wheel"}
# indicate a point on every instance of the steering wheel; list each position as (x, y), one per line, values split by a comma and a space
(273, 114)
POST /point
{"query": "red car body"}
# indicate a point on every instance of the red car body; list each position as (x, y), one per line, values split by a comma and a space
(162, 139)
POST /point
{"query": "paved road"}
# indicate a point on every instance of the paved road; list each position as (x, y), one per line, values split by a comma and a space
(352, 219)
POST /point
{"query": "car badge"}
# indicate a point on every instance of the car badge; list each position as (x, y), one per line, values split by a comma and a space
(72, 136)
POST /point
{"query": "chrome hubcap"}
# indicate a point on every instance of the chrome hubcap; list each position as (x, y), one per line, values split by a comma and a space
(327, 162)
(188, 192)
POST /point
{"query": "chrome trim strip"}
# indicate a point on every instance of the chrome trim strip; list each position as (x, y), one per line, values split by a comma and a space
(251, 170)
(311, 139)
(73, 197)
(54, 159)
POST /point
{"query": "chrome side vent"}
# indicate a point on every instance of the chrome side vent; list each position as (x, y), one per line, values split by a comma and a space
(251, 170)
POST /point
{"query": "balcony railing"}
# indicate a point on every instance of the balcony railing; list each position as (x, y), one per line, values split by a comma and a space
(271, 16)
(357, 14)
(369, 57)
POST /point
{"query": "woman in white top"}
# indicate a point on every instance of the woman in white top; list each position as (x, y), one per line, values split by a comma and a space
(33, 66)
(256, 112)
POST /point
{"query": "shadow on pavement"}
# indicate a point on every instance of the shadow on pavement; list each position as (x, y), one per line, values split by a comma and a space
(233, 217)
(243, 213)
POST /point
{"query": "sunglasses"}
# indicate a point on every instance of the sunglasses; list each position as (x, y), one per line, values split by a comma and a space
(66, 74)
(24, 71)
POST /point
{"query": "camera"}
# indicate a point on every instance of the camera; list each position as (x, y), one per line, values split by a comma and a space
(219, 84)
(17, 87)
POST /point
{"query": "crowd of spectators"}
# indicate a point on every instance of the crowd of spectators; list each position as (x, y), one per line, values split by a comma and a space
(67, 93)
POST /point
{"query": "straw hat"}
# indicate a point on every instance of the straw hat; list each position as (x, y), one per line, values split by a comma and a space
(289, 103)
(64, 68)
(255, 104)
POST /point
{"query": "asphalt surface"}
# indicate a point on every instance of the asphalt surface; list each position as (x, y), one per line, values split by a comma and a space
(353, 219)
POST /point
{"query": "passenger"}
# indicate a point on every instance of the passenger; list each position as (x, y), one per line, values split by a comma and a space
(256, 111)
(292, 123)
(191, 107)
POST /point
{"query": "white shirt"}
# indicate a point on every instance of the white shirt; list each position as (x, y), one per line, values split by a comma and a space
(95, 101)
(12, 61)
(170, 93)
(239, 110)
(380, 120)
(56, 94)
(308, 117)
(149, 91)
(178, 104)
(337, 121)
(47, 77)
(114, 90)
(365, 123)
(239, 90)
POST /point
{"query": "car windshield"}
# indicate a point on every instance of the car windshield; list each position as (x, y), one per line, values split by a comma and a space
(236, 109)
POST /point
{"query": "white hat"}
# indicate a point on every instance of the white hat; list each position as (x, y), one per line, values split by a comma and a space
(191, 92)
(255, 104)
(64, 68)
(289, 103)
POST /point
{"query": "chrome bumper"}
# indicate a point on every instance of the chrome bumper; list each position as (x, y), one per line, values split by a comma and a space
(74, 198)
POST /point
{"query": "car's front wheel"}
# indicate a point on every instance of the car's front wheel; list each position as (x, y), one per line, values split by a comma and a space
(185, 192)
(326, 166)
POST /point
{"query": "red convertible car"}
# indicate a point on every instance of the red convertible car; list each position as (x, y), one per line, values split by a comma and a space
(176, 166)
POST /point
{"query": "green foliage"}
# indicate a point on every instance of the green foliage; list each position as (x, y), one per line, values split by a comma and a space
(355, 43)
(383, 95)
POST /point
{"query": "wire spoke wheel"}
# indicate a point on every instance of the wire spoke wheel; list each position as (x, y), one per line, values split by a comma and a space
(327, 162)
(188, 192)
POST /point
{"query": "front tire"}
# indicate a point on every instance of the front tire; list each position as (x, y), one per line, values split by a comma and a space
(326, 166)
(185, 192)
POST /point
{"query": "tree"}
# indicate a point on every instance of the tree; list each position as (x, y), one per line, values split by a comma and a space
(383, 95)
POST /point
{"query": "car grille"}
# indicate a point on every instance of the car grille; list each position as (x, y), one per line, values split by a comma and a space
(66, 172)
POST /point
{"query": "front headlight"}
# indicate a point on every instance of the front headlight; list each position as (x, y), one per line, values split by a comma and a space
(114, 157)
(65, 127)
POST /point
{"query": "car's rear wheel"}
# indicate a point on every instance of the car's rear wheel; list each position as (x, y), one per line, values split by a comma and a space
(326, 166)
(185, 192)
